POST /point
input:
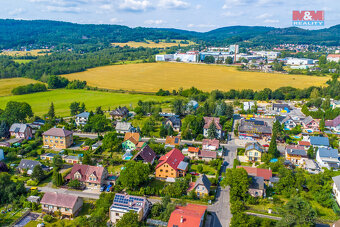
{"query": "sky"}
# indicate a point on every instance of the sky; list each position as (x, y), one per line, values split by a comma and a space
(195, 15)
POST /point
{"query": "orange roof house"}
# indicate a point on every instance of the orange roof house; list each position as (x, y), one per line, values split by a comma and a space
(171, 165)
(172, 141)
(190, 215)
(131, 140)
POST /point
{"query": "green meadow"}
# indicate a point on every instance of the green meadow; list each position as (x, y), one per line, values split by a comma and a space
(62, 98)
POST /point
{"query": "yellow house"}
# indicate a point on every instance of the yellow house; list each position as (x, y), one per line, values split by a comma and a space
(58, 138)
(171, 165)
(253, 152)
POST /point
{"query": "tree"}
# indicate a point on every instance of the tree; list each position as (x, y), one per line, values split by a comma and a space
(16, 112)
(297, 212)
(51, 112)
(311, 152)
(272, 150)
(229, 60)
(57, 82)
(99, 110)
(57, 178)
(134, 174)
(200, 168)
(237, 179)
(212, 134)
(96, 123)
(38, 173)
(111, 141)
(86, 160)
(4, 129)
(57, 162)
(74, 108)
(209, 59)
(322, 124)
(162, 131)
(129, 219)
(82, 108)
(74, 184)
(178, 106)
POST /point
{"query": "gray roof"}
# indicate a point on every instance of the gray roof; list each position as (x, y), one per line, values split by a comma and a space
(336, 181)
(49, 154)
(203, 180)
(274, 179)
(296, 151)
(307, 120)
(17, 127)
(255, 145)
(257, 126)
(319, 141)
(72, 157)
(123, 126)
(182, 165)
(83, 115)
(257, 183)
(328, 153)
(28, 164)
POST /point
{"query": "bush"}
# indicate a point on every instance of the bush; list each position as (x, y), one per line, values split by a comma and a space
(32, 183)
(240, 151)
(48, 218)
(30, 88)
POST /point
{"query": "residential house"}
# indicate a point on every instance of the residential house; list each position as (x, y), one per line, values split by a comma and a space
(27, 165)
(310, 125)
(68, 205)
(333, 124)
(123, 127)
(146, 155)
(253, 152)
(295, 154)
(201, 186)
(21, 131)
(279, 107)
(191, 215)
(304, 144)
(131, 140)
(311, 166)
(257, 187)
(91, 176)
(97, 145)
(33, 199)
(172, 141)
(82, 118)
(257, 172)
(333, 57)
(318, 141)
(328, 157)
(59, 138)
(47, 156)
(140, 145)
(123, 203)
(216, 121)
(171, 165)
(192, 105)
(207, 155)
(336, 188)
(173, 122)
(254, 129)
(335, 104)
(119, 113)
(193, 152)
(287, 121)
(247, 106)
(212, 145)
(71, 159)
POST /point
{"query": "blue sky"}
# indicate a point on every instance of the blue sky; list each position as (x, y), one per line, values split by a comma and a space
(197, 15)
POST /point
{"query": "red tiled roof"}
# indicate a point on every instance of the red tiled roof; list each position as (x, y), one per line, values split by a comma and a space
(304, 143)
(209, 120)
(172, 158)
(191, 186)
(188, 216)
(85, 172)
(252, 171)
(59, 199)
(57, 132)
(193, 149)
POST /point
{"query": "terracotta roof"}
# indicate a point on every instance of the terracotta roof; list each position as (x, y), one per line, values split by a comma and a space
(209, 142)
(132, 136)
(209, 120)
(334, 55)
(173, 140)
(304, 143)
(57, 132)
(187, 216)
(257, 172)
(140, 144)
(59, 199)
(147, 154)
(193, 149)
(207, 154)
(172, 158)
(85, 172)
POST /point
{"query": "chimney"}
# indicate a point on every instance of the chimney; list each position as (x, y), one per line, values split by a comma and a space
(182, 220)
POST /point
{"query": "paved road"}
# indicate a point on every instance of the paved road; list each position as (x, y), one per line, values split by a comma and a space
(70, 192)
(220, 210)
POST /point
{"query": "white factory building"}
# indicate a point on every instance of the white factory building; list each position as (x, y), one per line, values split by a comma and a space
(299, 61)
(270, 55)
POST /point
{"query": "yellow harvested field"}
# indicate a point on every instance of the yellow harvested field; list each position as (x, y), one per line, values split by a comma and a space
(151, 44)
(7, 85)
(150, 77)
(37, 52)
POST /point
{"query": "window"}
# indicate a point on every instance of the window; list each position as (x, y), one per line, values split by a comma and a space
(256, 154)
(67, 209)
(250, 153)
(166, 171)
(117, 214)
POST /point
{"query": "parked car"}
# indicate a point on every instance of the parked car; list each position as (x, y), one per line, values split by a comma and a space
(108, 189)
(195, 174)
(102, 188)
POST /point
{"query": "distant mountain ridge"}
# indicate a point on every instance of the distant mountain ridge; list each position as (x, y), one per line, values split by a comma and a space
(16, 33)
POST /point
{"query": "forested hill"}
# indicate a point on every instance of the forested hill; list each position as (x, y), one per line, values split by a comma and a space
(17, 33)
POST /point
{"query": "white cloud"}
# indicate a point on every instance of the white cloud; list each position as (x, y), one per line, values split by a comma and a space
(271, 21)
(173, 4)
(16, 11)
(232, 14)
(154, 22)
(201, 26)
(62, 9)
(264, 16)
(115, 20)
(106, 7)
(135, 5)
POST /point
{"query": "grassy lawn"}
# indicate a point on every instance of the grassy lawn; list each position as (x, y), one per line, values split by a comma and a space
(36, 52)
(140, 122)
(8, 218)
(324, 212)
(7, 85)
(22, 61)
(157, 184)
(114, 169)
(62, 98)
(153, 76)
(206, 169)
